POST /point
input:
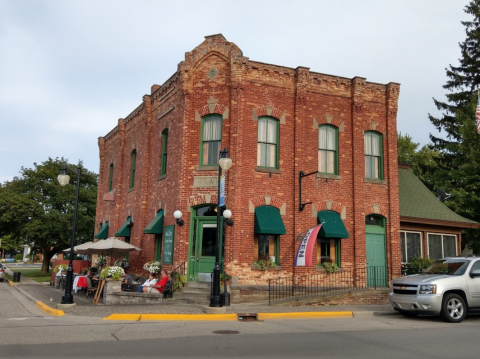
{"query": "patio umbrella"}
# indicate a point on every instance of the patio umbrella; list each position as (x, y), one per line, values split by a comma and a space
(112, 246)
(81, 249)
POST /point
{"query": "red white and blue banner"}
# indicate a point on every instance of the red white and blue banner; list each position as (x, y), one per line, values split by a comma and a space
(305, 250)
(477, 112)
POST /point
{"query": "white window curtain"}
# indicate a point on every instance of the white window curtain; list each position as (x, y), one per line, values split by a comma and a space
(212, 129)
(267, 142)
(327, 146)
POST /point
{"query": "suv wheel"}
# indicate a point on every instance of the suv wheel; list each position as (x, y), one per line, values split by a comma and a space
(454, 309)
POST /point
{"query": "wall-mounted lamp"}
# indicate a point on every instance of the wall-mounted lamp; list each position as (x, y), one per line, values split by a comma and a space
(178, 217)
(227, 214)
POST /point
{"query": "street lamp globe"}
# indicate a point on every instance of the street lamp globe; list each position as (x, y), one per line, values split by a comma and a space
(63, 178)
(177, 214)
(227, 214)
(225, 163)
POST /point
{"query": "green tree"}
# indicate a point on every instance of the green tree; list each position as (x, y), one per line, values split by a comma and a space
(35, 208)
(422, 161)
(458, 143)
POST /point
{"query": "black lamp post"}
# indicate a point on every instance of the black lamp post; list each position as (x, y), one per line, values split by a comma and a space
(64, 179)
(224, 163)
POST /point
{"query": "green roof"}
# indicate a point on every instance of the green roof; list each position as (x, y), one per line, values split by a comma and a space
(124, 230)
(417, 201)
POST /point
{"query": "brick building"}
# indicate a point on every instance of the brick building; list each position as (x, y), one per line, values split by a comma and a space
(275, 121)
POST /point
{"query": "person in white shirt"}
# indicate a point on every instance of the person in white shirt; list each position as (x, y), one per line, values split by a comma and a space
(149, 282)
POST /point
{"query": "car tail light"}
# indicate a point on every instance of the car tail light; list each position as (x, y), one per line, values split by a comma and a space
(1, 270)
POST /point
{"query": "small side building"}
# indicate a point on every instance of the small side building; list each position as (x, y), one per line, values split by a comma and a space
(428, 228)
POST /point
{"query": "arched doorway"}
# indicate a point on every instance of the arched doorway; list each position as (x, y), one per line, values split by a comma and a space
(202, 242)
(376, 251)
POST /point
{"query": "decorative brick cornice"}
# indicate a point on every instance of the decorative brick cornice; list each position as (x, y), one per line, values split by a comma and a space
(212, 107)
(328, 206)
(329, 120)
(372, 125)
(376, 209)
(199, 199)
(267, 201)
(269, 111)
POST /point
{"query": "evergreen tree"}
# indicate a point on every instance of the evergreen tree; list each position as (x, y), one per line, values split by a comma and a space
(458, 144)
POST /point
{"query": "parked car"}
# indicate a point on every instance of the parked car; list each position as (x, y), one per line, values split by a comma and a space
(2, 272)
(449, 288)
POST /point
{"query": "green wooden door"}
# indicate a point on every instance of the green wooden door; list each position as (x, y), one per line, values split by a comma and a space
(202, 254)
(376, 260)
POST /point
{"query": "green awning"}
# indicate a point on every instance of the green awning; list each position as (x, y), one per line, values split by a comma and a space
(332, 225)
(124, 230)
(156, 225)
(268, 221)
(103, 232)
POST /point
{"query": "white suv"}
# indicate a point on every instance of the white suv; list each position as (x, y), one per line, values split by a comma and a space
(450, 288)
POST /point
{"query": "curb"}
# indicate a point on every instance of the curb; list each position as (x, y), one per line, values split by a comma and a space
(40, 305)
(49, 310)
(227, 317)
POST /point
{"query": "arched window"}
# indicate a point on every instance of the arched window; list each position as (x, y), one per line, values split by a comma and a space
(211, 139)
(328, 149)
(373, 155)
(267, 142)
(132, 173)
(163, 169)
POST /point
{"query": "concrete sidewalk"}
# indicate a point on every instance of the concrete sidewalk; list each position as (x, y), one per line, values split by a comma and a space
(49, 296)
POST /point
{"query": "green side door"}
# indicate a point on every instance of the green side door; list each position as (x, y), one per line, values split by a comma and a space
(376, 260)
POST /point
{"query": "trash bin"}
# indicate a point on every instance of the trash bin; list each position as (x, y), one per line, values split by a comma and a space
(16, 276)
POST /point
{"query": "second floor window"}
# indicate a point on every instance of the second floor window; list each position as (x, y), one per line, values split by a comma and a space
(373, 155)
(211, 139)
(132, 173)
(110, 181)
(163, 169)
(327, 149)
(267, 142)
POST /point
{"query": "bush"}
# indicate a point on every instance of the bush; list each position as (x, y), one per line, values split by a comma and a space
(19, 257)
(417, 265)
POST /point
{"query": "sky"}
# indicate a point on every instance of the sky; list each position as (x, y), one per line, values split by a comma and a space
(70, 69)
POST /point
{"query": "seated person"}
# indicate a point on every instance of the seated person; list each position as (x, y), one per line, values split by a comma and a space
(92, 281)
(149, 282)
(127, 284)
(159, 286)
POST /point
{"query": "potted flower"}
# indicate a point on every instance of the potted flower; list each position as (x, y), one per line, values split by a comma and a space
(152, 267)
(225, 276)
(113, 272)
(122, 263)
(60, 268)
(100, 261)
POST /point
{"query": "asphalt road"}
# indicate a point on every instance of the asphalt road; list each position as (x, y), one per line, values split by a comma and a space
(26, 332)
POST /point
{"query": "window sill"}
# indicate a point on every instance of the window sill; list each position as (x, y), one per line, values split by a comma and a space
(328, 176)
(276, 268)
(268, 170)
(322, 270)
(131, 189)
(374, 180)
(206, 168)
(162, 177)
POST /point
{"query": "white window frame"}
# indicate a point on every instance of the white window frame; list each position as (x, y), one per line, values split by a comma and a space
(421, 243)
(442, 234)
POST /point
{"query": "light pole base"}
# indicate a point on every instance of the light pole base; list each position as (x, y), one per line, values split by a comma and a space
(215, 310)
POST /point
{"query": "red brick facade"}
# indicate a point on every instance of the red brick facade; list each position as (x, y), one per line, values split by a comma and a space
(216, 78)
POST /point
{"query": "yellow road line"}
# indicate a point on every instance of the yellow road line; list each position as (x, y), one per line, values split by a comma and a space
(190, 317)
(46, 309)
(304, 315)
(227, 317)
(135, 317)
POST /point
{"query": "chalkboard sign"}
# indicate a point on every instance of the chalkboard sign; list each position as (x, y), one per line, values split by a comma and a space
(168, 234)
